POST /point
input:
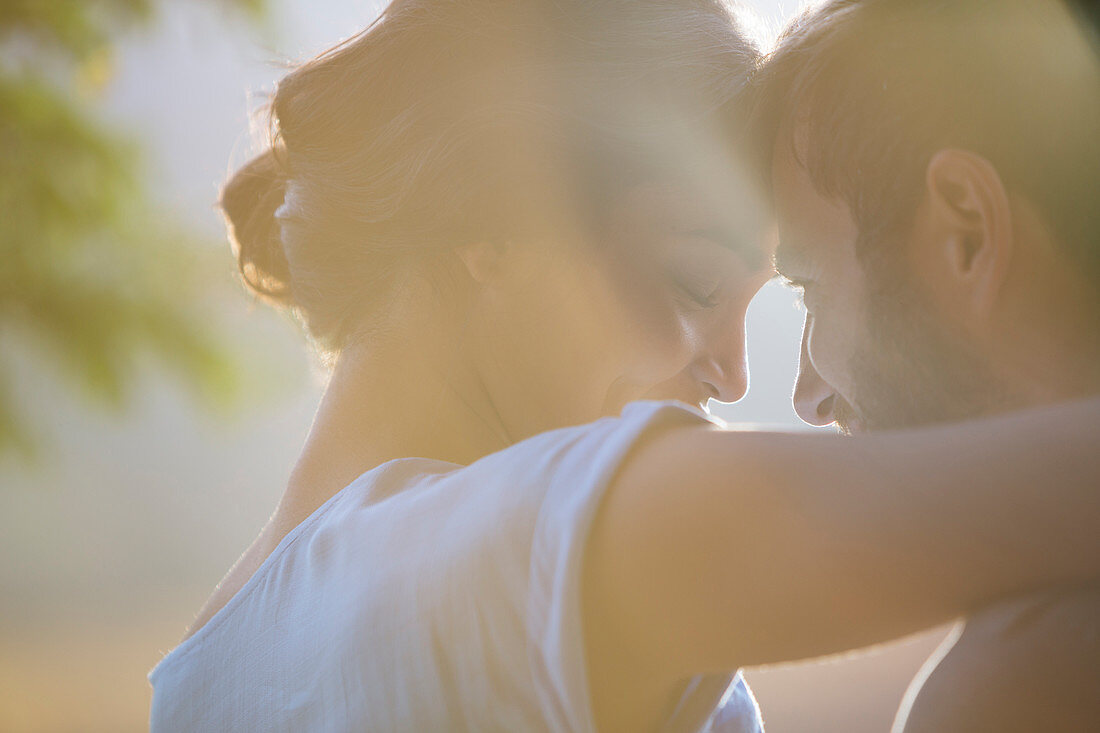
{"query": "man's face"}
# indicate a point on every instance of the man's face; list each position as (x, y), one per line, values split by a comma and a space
(874, 356)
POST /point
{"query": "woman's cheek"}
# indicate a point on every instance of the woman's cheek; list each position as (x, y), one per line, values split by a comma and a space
(648, 324)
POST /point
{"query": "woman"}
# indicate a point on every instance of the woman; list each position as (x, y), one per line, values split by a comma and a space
(499, 220)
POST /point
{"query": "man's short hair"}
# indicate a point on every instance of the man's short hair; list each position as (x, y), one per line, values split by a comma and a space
(867, 91)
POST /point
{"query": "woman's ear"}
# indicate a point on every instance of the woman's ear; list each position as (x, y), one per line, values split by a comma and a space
(483, 260)
(970, 229)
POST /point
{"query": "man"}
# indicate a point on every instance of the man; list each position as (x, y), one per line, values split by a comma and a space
(935, 166)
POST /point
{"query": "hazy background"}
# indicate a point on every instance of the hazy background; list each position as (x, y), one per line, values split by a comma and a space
(114, 538)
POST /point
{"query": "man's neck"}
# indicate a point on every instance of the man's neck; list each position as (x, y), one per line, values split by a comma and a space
(1053, 358)
(1046, 342)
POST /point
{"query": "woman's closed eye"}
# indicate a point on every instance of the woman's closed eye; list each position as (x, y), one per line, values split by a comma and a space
(700, 273)
(704, 289)
(701, 268)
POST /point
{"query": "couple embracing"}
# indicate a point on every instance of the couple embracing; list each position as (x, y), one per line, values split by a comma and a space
(524, 235)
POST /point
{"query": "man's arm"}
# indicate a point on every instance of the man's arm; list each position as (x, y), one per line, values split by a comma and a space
(715, 550)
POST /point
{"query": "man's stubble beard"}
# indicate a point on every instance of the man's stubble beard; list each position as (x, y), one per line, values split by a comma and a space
(912, 369)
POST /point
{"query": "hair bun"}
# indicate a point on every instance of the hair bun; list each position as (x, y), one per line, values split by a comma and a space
(249, 200)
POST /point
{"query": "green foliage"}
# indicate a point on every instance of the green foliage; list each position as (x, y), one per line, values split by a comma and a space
(92, 277)
(79, 27)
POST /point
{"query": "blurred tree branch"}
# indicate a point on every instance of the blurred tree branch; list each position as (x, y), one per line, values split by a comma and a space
(92, 276)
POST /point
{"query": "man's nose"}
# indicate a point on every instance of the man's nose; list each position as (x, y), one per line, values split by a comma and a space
(814, 399)
(723, 368)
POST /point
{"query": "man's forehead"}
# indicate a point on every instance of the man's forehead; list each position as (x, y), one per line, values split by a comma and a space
(807, 221)
(792, 185)
(794, 195)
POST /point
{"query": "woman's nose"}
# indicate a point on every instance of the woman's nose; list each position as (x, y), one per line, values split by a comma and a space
(814, 399)
(723, 367)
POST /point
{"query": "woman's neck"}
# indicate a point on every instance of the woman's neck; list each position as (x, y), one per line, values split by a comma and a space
(394, 401)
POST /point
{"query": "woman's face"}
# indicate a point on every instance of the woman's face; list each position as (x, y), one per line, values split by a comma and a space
(652, 307)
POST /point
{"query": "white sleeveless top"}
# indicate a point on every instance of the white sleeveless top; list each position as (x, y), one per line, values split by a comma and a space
(428, 596)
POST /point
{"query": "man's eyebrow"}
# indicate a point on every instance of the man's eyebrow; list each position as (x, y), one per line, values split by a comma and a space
(790, 257)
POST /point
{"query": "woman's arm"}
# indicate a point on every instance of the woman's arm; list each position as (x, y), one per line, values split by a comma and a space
(715, 550)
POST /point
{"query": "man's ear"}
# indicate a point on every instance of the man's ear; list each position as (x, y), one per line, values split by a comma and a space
(970, 223)
(483, 260)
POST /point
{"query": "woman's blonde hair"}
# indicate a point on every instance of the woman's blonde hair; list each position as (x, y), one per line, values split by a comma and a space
(450, 121)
